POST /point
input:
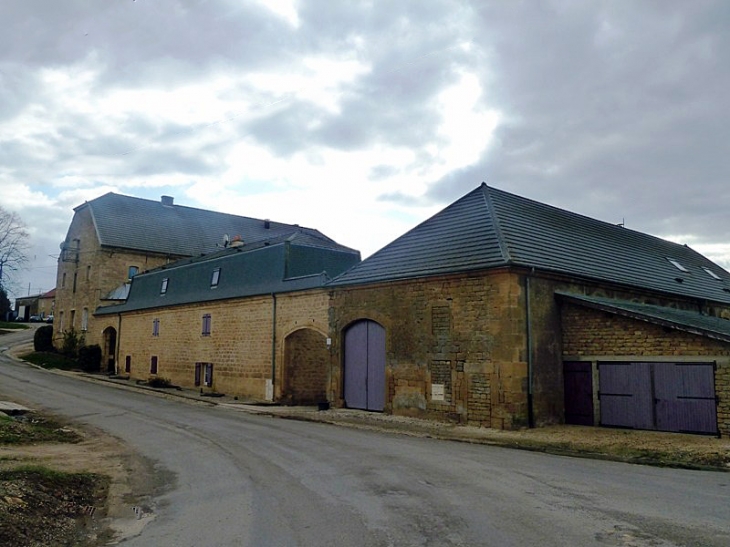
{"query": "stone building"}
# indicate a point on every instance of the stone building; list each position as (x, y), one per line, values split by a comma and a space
(249, 321)
(503, 312)
(113, 238)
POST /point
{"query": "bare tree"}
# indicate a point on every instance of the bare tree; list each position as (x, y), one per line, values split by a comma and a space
(13, 245)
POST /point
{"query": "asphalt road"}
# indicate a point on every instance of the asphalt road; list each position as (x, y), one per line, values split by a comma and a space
(236, 479)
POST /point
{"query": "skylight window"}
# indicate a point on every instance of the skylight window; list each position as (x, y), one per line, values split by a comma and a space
(215, 277)
(163, 287)
(712, 274)
(677, 265)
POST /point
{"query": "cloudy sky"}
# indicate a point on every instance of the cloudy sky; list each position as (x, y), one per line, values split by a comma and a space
(363, 118)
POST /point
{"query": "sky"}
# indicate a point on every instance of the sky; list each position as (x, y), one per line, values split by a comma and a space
(364, 118)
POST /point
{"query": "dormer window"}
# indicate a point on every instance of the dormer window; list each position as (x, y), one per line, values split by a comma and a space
(214, 278)
(163, 287)
(712, 274)
(677, 265)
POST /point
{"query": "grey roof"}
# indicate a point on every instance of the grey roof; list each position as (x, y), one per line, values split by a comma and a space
(685, 320)
(119, 293)
(259, 270)
(490, 228)
(153, 226)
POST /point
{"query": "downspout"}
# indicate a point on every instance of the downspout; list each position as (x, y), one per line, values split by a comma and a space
(119, 343)
(273, 346)
(528, 334)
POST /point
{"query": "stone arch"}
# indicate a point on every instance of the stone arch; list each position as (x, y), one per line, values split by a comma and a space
(306, 367)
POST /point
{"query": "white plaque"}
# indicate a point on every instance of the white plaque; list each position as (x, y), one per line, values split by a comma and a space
(437, 392)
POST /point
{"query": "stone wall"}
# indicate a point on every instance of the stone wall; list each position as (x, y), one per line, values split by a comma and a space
(464, 334)
(240, 345)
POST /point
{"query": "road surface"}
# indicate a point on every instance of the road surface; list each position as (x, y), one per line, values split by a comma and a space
(236, 479)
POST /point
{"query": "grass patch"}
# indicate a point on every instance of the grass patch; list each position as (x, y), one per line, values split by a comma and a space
(6, 325)
(30, 429)
(47, 359)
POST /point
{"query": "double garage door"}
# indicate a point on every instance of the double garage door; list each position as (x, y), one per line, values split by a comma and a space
(678, 397)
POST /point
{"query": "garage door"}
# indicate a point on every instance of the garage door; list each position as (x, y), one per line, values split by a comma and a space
(678, 397)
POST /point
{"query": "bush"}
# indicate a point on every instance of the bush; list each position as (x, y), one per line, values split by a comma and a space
(159, 382)
(90, 358)
(43, 338)
(71, 343)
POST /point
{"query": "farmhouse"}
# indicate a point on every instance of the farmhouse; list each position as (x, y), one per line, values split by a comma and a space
(498, 311)
(113, 238)
(504, 312)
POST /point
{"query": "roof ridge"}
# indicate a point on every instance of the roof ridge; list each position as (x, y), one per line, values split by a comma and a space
(503, 247)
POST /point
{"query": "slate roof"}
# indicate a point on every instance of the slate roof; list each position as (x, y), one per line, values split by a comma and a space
(689, 321)
(489, 228)
(259, 270)
(153, 226)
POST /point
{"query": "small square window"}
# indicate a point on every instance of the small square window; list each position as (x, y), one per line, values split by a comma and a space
(215, 277)
(163, 287)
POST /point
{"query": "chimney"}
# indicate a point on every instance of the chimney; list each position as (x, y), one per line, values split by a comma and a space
(167, 201)
(267, 224)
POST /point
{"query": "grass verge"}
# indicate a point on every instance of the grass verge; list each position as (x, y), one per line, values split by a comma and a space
(47, 359)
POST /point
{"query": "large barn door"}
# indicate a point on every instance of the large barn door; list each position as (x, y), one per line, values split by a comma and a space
(677, 397)
(626, 395)
(364, 371)
(685, 397)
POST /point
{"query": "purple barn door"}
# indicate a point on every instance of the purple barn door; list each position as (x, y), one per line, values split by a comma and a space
(364, 382)
(626, 395)
(685, 397)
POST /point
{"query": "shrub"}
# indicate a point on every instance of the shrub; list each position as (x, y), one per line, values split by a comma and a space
(90, 358)
(43, 338)
(159, 382)
(72, 342)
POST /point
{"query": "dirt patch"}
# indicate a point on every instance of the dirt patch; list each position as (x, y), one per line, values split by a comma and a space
(90, 491)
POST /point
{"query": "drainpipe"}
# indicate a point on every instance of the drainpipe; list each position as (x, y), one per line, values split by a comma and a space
(528, 319)
(119, 343)
(273, 345)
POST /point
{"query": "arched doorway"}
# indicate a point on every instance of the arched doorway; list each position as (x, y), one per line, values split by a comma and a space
(110, 350)
(364, 371)
(306, 367)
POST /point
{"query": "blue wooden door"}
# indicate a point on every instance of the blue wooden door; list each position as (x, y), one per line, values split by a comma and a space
(364, 371)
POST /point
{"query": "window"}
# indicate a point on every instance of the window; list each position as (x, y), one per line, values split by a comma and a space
(60, 322)
(73, 318)
(85, 319)
(88, 273)
(133, 270)
(711, 273)
(204, 374)
(215, 278)
(63, 281)
(153, 364)
(75, 274)
(677, 265)
(206, 324)
(163, 287)
(155, 327)
(128, 363)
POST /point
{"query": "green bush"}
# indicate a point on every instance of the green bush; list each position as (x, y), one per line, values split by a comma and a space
(155, 381)
(90, 358)
(71, 343)
(43, 338)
